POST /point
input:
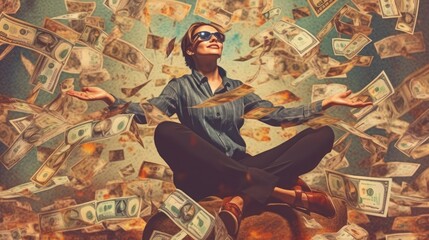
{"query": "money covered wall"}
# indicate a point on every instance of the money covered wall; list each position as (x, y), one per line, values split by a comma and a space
(66, 162)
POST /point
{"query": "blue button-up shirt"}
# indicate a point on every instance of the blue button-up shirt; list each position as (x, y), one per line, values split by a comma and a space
(220, 125)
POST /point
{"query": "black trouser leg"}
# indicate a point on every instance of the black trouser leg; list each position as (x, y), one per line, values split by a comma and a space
(201, 170)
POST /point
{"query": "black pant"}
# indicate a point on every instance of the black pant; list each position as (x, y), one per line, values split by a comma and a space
(202, 170)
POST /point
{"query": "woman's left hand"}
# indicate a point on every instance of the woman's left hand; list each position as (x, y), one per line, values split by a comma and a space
(343, 100)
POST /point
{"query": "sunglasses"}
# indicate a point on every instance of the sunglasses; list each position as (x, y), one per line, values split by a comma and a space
(205, 36)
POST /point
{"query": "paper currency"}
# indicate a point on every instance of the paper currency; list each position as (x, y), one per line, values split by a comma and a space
(420, 151)
(415, 135)
(348, 232)
(47, 72)
(357, 43)
(129, 55)
(18, 191)
(87, 168)
(229, 96)
(389, 9)
(7, 134)
(74, 6)
(330, 24)
(272, 13)
(338, 45)
(174, 10)
(28, 65)
(300, 39)
(320, 6)
(366, 194)
(405, 236)
(282, 97)
(358, 18)
(409, 10)
(61, 30)
(188, 215)
(258, 134)
(132, 9)
(340, 69)
(153, 115)
(83, 59)
(20, 33)
(336, 159)
(10, 6)
(300, 12)
(368, 6)
(155, 171)
(21, 123)
(320, 121)
(376, 91)
(94, 78)
(71, 16)
(394, 169)
(351, 29)
(129, 92)
(116, 155)
(157, 42)
(94, 37)
(158, 235)
(127, 171)
(400, 45)
(51, 166)
(175, 71)
(359, 133)
(71, 218)
(322, 91)
(259, 112)
(417, 224)
(364, 61)
(420, 88)
(118, 208)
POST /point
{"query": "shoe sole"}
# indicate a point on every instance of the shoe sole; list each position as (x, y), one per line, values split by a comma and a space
(230, 221)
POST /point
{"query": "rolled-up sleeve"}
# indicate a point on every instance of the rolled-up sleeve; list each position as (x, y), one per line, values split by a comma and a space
(166, 102)
(296, 115)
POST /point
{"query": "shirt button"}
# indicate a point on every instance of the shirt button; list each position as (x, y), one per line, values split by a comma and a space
(218, 114)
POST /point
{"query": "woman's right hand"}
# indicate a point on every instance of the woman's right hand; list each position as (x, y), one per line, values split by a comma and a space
(92, 94)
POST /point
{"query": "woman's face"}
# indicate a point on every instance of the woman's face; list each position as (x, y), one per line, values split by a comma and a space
(212, 46)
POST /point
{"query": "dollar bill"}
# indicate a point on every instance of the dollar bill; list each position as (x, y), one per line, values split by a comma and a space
(306, 75)
(320, 6)
(258, 134)
(394, 126)
(155, 171)
(330, 24)
(118, 208)
(94, 37)
(338, 45)
(415, 135)
(61, 30)
(111, 4)
(158, 235)
(420, 151)
(348, 232)
(188, 215)
(28, 65)
(345, 126)
(366, 194)
(272, 13)
(357, 43)
(261, 37)
(358, 18)
(51, 166)
(389, 9)
(320, 121)
(409, 11)
(368, 6)
(153, 115)
(11, 234)
(214, 12)
(21, 123)
(417, 224)
(71, 16)
(282, 97)
(129, 92)
(94, 78)
(405, 236)
(174, 10)
(364, 61)
(127, 171)
(129, 55)
(74, 6)
(7, 134)
(420, 88)
(10, 6)
(175, 71)
(83, 59)
(96, 130)
(336, 159)
(20, 33)
(372, 119)
(400, 45)
(132, 9)
(116, 155)
(299, 38)
(87, 168)
(300, 12)
(259, 112)
(229, 96)
(322, 91)
(70, 218)
(394, 169)
(47, 72)
(376, 91)
(18, 191)
(339, 69)
(351, 29)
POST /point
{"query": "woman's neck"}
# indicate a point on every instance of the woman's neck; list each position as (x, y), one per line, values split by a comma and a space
(209, 70)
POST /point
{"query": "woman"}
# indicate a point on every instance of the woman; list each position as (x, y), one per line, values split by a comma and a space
(207, 153)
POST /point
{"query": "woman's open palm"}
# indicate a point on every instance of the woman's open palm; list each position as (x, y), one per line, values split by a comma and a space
(92, 94)
(344, 100)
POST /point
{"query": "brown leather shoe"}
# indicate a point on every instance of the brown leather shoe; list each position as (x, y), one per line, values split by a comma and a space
(231, 215)
(301, 184)
(318, 202)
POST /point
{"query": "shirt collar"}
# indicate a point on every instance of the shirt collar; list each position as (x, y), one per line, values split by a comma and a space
(201, 78)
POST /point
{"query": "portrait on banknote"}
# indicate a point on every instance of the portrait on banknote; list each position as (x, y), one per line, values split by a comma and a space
(214, 119)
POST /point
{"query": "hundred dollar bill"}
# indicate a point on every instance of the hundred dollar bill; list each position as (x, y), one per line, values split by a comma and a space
(417, 224)
(229, 96)
(376, 91)
(54, 162)
(127, 171)
(129, 55)
(407, 21)
(400, 45)
(357, 43)
(338, 45)
(299, 38)
(394, 169)
(68, 219)
(365, 194)
(188, 215)
(83, 59)
(32, 188)
(416, 134)
(320, 6)
(20, 33)
(129, 92)
(118, 208)
(156, 171)
(322, 91)
(174, 10)
(259, 112)
(96, 130)
(389, 9)
(348, 232)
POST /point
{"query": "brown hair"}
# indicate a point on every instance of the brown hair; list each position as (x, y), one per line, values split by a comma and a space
(187, 41)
